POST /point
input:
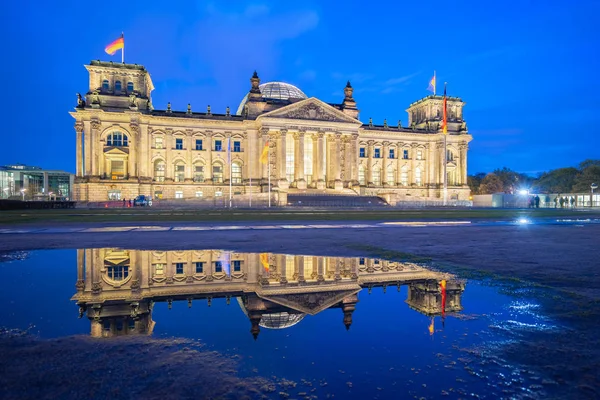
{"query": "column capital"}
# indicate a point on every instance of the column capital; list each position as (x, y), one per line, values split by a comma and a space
(386, 144)
(283, 131)
(79, 126)
(134, 127)
(96, 124)
(264, 131)
(298, 135)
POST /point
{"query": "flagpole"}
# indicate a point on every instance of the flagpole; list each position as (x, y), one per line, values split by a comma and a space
(445, 152)
(434, 82)
(269, 174)
(250, 191)
(123, 49)
(230, 175)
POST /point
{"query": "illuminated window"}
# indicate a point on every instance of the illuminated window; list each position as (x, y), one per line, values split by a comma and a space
(179, 172)
(198, 173)
(390, 176)
(159, 171)
(217, 173)
(404, 176)
(179, 268)
(289, 158)
(159, 269)
(199, 194)
(236, 173)
(376, 175)
(117, 169)
(179, 195)
(419, 155)
(418, 180)
(158, 142)
(308, 159)
(361, 175)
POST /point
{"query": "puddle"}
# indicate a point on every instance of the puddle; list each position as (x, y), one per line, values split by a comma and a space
(293, 326)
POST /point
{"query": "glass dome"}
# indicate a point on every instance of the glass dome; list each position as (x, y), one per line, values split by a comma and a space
(275, 90)
(279, 320)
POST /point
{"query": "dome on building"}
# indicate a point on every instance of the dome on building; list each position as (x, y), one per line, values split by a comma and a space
(275, 90)
(278, 320)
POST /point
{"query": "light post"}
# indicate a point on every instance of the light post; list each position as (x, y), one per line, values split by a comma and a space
(593, 186)
(23, 193)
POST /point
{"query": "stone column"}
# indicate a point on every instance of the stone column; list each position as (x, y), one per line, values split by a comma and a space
(143, 152)
(78, 148)
(281, 159)
(320, 152)
(132, 170)
(320, 268)
(463, 147)
(412, 156)
(315, 159)
(354, 159)
(227, 157)
(96, 153)
(336, 160)
(299, 160)
(80, 284)
(188, 146)
(384, 166)
(264, 168)
(301, 278)
(370, 150)
(87, 148)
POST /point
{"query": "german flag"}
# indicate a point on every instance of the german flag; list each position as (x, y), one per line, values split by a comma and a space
(264, 157)
(264, 260)
(118, 44)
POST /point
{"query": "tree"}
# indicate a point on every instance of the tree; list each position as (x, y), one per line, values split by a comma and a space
(590, 174)
(491, 184)
(474, 181)
(558, 180)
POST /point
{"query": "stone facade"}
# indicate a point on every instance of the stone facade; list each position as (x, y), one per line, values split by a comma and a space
(125, 147)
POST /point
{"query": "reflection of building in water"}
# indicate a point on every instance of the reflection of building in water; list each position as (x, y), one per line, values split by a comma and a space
(117, 288)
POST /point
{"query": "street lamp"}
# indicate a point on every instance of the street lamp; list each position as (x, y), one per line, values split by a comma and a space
(593, 186)
(23, 193)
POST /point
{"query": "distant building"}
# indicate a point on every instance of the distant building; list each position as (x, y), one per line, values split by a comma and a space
(34, 183)
(125, 147)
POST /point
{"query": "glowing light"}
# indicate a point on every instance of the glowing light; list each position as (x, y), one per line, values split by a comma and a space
(524, 191)
(523, 221)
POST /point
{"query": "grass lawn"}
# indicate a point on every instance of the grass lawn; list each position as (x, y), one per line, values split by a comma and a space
(127, 215)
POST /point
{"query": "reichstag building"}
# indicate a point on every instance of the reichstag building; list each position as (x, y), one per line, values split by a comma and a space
(126, 147)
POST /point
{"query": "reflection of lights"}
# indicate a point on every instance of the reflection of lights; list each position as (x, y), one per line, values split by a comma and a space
(523, 221)
(524, 191)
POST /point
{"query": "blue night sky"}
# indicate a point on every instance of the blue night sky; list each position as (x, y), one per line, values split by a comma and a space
(527, 69)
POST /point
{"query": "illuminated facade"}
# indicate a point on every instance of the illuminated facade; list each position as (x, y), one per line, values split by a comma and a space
(117, 288)
(25, 182)
(125, 147)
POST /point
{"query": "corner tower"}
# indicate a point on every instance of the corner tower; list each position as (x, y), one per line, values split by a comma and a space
(428, 112)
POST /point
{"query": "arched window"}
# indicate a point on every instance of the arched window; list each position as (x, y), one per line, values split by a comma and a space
(130, 86)
(117, 272)
(198, 173)
(236, 173)
(117, 139)
(376, 175)
(404, 176)
(361, 175)
(217, 173)
(117, 86)
(179, 171)
(418, 179)
(159, 171)
(105, 86)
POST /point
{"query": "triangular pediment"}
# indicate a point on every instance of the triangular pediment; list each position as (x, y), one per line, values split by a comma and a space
(311, 303)
(116, 150)
(311, 109)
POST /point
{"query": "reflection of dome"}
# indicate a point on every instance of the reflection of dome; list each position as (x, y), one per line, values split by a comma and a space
(275, 90)
(278, 320)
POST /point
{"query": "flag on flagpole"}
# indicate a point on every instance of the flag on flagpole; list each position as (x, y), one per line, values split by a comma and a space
(265, 153)
(264, 260)
(118, 44)
(443, 287)
(445, 121)
(431, 86)
(431, 327)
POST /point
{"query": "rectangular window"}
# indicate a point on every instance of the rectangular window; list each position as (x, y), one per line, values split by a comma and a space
(404, 177)
(361, 152)
(390, 176)
(158, 142)
(179, 173)
(376, 262)
(237, 147)
(218, 145)
(179, 144)
(377, 153)
(237, 265)
(218, 266)
(179, 195)
(392, 154)
(198, 144)
(199, 194)
(179, 268)
(117, 169)
(199, 267)
(361, 261)
(405, 154)
(419, 155)
(218, 194)
(217, 174)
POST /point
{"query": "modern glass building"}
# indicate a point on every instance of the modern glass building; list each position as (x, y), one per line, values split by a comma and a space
(25, 182)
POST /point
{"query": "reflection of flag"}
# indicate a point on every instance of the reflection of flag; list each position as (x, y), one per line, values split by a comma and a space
(264, 260)
(445, 121)
(118, 44)
(265, 153)
(431, 86)
(431, 330)
(443, 286)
